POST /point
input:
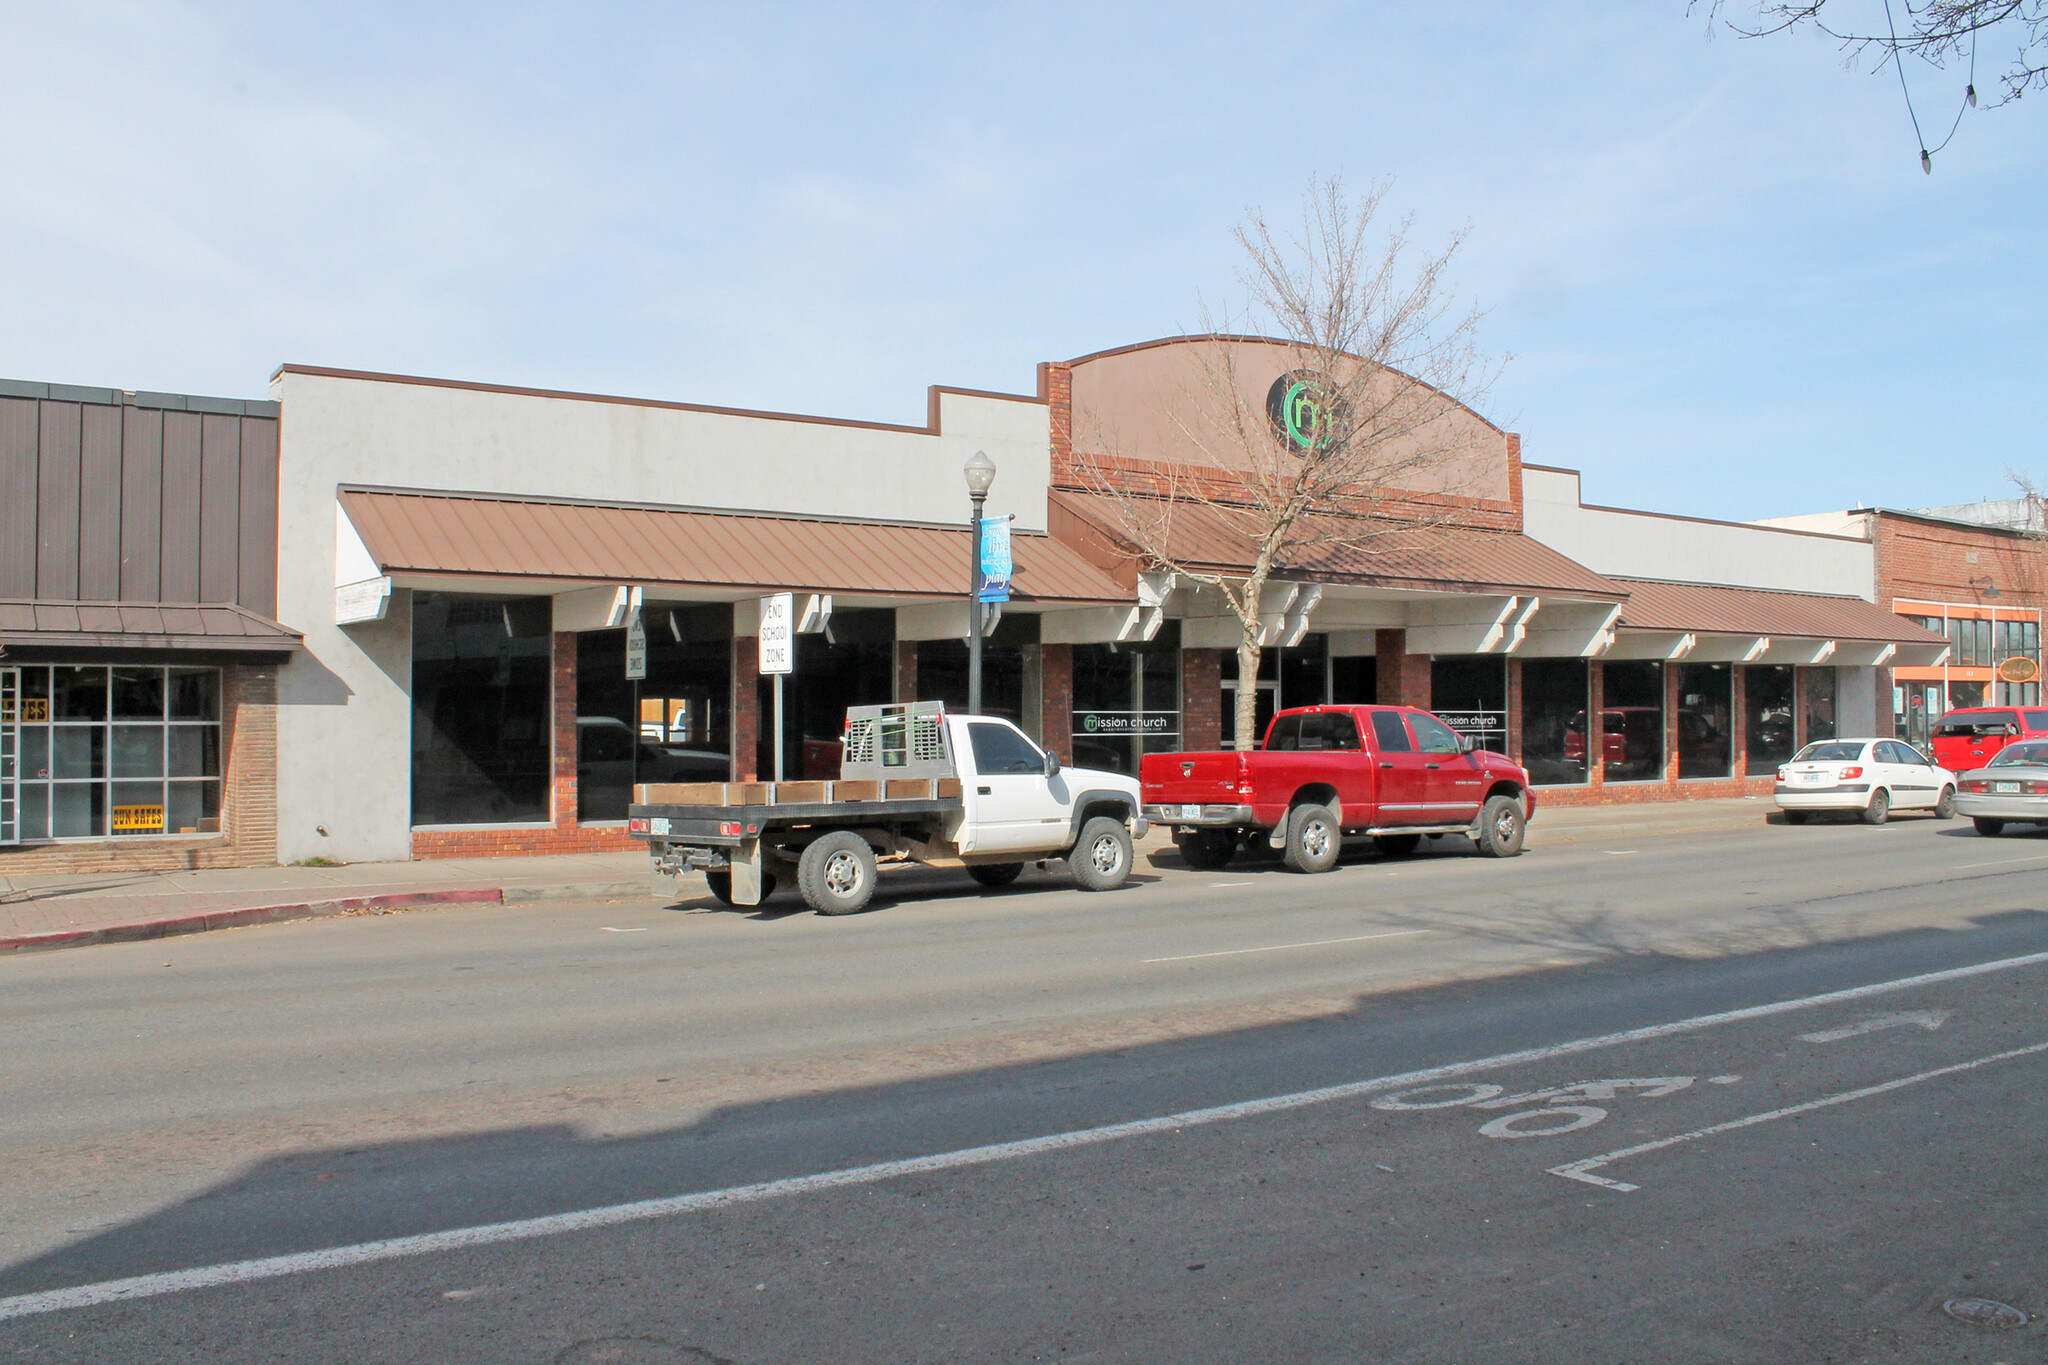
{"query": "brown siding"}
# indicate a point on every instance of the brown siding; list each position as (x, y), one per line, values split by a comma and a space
(257, 586)
(99, 503)
(220, 507)
(57, 502)
(179, 578)
(142, 504)
(17, 497)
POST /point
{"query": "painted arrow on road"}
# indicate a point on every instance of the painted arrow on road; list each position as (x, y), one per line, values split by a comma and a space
(1927, 1019)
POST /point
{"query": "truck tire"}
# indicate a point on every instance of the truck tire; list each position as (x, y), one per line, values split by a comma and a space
(1101, 857)
(837, 874)
(1314, 839)
(1880, 808)
(1795, 817)
(1501, 827)
(995, 874)
(1396, 845)
(1990, 829)
(1206, 850)
(721, 887)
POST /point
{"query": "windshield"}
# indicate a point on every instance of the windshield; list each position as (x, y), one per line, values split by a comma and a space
(1830, 751)
(1973, 724)
(2021, 753)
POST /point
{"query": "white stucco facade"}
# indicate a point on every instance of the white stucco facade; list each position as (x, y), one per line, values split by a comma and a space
(1690, 550)
(345, 712)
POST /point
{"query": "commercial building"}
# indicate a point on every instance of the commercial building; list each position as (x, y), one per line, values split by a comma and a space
(433, 583)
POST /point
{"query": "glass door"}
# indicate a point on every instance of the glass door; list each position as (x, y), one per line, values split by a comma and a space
(10, 755)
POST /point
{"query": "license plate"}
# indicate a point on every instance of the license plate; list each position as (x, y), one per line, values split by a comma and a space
(2005, 786)
(1190, 812)
(1811, 777)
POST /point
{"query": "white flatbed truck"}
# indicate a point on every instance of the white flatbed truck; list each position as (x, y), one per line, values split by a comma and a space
(916, 785)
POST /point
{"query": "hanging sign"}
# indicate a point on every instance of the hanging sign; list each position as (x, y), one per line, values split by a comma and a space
(2018, 669)
(778, 635)
(636, 648)
(995, 559)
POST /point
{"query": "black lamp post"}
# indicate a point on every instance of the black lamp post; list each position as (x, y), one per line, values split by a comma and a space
(980, 472)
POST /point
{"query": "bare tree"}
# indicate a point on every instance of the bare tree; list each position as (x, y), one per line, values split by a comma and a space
(1380, 368)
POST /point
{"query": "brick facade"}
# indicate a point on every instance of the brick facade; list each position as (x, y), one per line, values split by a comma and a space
(1201, 698)
(1675, 786)
(1403, 677)
(746, 708)
(1056, 698)
(904, 685)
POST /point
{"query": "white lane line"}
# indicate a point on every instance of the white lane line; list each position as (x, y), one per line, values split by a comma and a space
(363, 1253)
(1583, 1170)
(609, 930)
(1213, 885)
(2001, 862)
(1277, 947)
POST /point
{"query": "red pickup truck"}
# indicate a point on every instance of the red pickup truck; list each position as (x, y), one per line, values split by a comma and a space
(1392, 772)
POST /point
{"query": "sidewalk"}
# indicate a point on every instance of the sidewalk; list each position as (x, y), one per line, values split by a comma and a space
(74, 911)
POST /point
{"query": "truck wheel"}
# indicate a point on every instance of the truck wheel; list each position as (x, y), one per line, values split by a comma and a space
(1101, 858)
(1880, 808)
(1501, 827)
(1206, 850)
(1313, 839)
(995, 874)
(1396, 845)
(837, 874)
(1990, 829)
(721, 887)
(1795, 817)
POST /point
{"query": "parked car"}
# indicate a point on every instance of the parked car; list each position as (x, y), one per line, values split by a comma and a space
(2012, 789)
(1969, 736)
(1871, 776)
(1392, 772)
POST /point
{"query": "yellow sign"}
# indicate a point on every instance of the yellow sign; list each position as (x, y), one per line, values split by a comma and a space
(138, 819)
(2018, 669)
(32, 708)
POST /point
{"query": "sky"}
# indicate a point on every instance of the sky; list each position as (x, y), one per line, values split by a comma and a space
(1721, 283)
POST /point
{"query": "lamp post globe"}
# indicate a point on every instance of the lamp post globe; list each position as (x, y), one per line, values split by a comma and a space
(980, 472)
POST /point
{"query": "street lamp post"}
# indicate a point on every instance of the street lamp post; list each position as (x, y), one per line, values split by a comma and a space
(980, 472)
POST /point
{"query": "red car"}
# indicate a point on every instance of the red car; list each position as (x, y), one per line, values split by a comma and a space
(1971, 736)
(1393, 772)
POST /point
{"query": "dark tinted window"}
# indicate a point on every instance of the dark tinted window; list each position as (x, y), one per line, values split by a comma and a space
(1973, 723)
(1888, 752)
(2037, 720)
(1285, 734)
(1433, 736)
(1389, 733)
(2021, 753)
(1340, 730)
(1831, 751)
(999, 749)
(605, 743)
(1328, 730)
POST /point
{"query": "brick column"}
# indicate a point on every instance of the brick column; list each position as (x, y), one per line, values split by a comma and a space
(1671, 694)
(562, 787)
(1596, 723)
(1515, 709)
(1403, 677)
(746, 707)
(1738, 722)
(906, 671)
(1201, 699)
(1056, 698)
(248, 799)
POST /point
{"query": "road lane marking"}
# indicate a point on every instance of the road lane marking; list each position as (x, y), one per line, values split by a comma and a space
(613, 1215)
(1277, 947)
(1927, 1019)
(1583, 1169)
(2001, 862)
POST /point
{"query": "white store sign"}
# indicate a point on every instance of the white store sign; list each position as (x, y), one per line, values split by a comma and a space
(778, 634)
(636, 648)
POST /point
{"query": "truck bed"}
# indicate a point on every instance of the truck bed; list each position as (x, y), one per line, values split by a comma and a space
(725, 814)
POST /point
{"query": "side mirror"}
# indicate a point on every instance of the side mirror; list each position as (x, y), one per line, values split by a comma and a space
(1466, 744)
(1052, 764)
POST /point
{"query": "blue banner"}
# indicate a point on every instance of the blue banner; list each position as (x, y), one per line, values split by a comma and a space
(995, 559)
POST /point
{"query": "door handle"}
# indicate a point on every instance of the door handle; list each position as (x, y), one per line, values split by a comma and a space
(981, 791)
(1386, 765)
(1431, 766)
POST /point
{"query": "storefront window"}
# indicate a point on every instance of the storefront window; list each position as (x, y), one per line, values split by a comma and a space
(1820, 703)
(1767, 716)
(1706, 715)
(1355, 680)
(1554, 701)
(854, 666)
(480, 689)
(942, 669)
(1304, 672)
(1127, 701)
(675, 725)
(1470, 694)
(1632, 721)
(118, 752)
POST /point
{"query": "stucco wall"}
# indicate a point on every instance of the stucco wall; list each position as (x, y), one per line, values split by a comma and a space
(345, 713)
(1682, 549)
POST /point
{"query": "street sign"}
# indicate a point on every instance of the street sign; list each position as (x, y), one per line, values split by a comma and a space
(636, 648)
(778, 635)
(995, 559)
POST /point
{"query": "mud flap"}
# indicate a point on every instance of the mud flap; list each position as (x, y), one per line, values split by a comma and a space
(747, 869)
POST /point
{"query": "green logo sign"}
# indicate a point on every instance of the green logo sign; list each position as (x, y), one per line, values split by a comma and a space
(1307, 412)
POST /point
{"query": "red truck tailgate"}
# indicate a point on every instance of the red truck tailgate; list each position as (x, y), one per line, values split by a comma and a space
(1191, 779)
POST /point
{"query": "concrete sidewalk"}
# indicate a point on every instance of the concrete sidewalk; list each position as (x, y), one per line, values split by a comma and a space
(42, 912)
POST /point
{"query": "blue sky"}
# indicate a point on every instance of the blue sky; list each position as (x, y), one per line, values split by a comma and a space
(1726, 287)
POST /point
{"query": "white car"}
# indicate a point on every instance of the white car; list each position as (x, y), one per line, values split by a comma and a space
(2011, 790)
(1873, 776)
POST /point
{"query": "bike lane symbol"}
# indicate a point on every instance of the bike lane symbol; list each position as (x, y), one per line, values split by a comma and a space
(1565, 1108)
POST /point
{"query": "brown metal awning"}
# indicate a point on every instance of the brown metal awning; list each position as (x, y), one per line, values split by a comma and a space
(460, 534)
(141, 625)
(1365, 551)
(1706, 608)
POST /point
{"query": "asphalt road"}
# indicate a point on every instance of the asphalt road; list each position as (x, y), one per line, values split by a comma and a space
(329, 1085)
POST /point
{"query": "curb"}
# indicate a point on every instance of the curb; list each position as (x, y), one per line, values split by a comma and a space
(205, 921)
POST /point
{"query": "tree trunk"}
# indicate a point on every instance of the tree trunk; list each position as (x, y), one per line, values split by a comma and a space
(1248, 652)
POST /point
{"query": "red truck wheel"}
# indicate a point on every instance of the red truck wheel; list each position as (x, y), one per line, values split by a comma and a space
(1314, 839)
(1501, 827)
(1207, 850)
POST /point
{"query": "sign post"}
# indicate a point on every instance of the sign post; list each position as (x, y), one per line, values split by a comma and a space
(778, 654)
